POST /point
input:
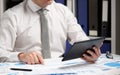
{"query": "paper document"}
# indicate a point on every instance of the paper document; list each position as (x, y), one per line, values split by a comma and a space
(103, 66)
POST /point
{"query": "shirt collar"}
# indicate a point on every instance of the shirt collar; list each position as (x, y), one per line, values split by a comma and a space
(35, 7)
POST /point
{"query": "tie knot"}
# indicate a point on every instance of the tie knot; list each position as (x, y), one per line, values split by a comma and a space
(43, 11)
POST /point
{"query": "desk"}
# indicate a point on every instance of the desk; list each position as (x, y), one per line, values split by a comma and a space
(103, 66)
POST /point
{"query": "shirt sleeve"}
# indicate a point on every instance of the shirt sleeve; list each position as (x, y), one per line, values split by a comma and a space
(8, 36)
(75, 32)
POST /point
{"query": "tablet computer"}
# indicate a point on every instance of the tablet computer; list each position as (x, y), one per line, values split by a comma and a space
(79, 48)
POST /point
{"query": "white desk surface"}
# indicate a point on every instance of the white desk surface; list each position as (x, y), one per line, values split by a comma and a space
(103, 66)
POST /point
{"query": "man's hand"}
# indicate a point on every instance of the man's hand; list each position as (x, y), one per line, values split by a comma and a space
(93, 55)
(31, 58)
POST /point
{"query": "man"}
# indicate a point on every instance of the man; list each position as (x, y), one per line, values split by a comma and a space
(20, 32)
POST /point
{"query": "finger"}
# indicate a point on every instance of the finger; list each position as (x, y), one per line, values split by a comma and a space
(41, 61)
(30, 58)
(87, 58)
(35, 58)
(28, 62)
(83, 58)
(91, 53)
(25, 58)
(97, 51)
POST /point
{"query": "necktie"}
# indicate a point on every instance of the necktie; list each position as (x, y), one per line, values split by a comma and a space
(44, 34)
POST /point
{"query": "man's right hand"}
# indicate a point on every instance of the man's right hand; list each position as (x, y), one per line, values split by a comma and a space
(31, 57)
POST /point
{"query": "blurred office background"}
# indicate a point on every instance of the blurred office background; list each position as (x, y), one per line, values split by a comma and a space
(98, 18)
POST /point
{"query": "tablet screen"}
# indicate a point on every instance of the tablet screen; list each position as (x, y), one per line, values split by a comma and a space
(79, 48)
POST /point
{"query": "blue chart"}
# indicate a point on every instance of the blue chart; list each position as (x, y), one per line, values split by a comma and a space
(3, 64)
(19, 64)
(113, 64)
(13, 73)
(9, 64)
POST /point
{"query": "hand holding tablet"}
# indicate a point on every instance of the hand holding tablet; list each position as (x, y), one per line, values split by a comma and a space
(79, 48)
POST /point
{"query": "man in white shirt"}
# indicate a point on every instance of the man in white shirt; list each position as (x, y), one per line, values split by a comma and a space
(20, 32)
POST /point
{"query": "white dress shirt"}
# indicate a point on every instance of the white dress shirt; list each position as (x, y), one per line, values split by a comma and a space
(20, 29)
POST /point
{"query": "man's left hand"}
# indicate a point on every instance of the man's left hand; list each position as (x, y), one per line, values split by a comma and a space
(93, 55)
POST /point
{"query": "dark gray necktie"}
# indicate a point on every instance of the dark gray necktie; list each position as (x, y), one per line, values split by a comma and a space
(44, 34)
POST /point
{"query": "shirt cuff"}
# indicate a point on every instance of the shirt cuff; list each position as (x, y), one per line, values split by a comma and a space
(13, 57)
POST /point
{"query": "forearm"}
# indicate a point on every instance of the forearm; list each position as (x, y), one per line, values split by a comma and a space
(7, 56)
